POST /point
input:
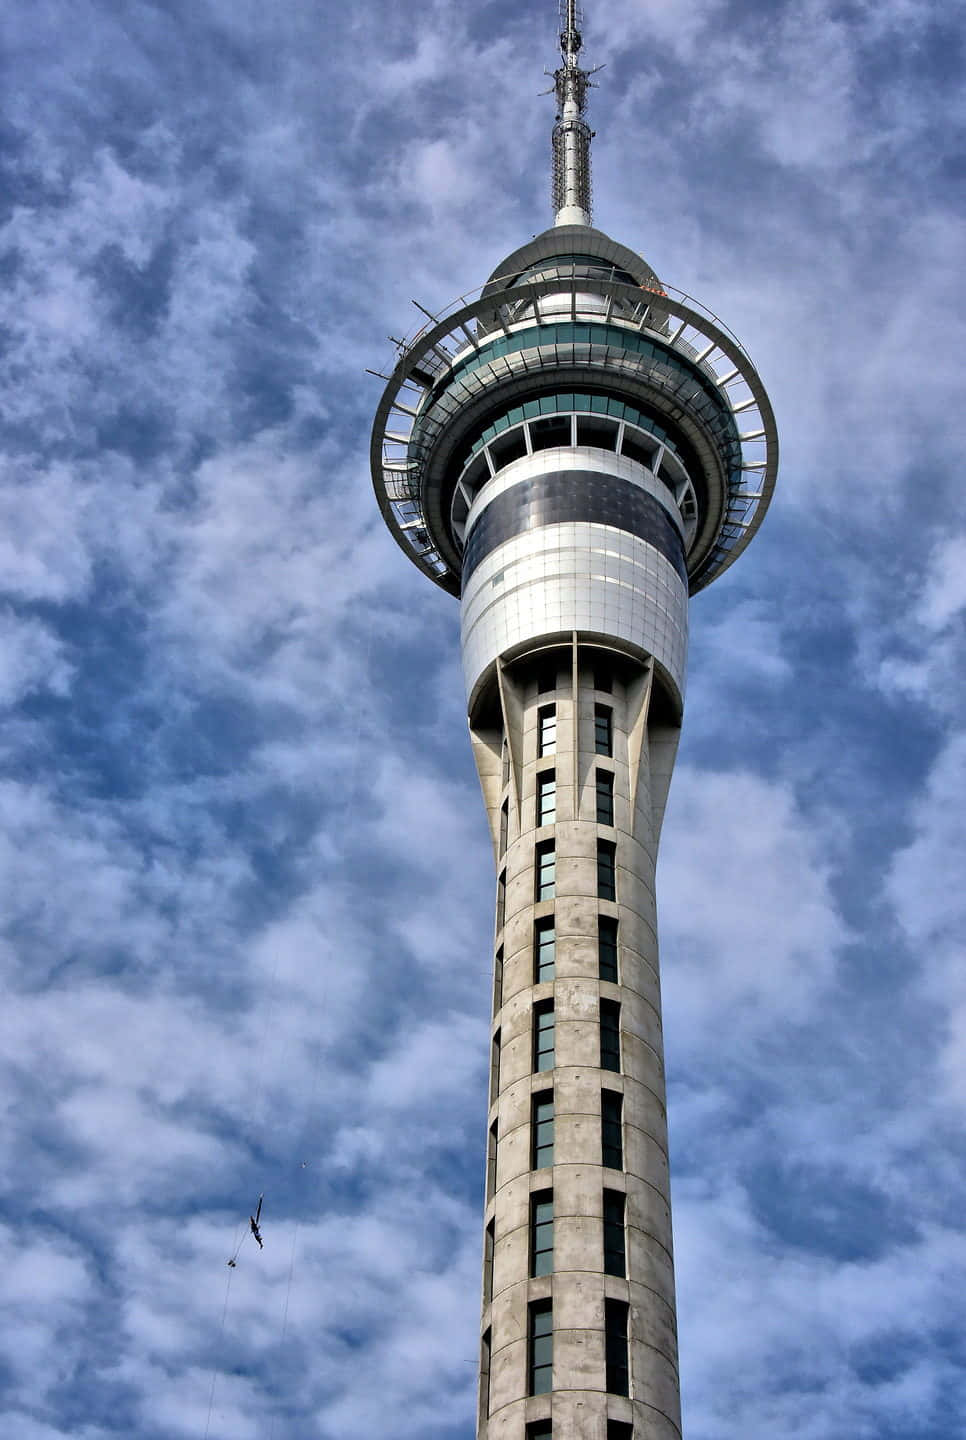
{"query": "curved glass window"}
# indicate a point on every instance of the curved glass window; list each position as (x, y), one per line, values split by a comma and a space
(556, 421)
(562, 333)
(579, 265)
(574, 401)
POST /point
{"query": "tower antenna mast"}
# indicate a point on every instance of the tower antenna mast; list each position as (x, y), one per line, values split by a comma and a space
(571, 133)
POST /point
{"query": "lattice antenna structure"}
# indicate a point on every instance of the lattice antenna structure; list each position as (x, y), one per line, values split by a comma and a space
(571, 133)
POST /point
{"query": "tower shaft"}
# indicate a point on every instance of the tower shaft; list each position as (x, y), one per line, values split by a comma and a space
(578, 1286)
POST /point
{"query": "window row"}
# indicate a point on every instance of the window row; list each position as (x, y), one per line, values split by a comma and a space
(545, 805)
(545, 874)
(504, 442)
(541, 1135)
(544, 1056)
(547, 731)
(540, 1347)
(616, 1430)
(545, 951)
(602, 678)
(541, 1236)
(545, 955)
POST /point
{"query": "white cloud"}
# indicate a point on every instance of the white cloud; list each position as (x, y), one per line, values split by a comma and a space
(749, 925)
(944, 591)
(248, 890)
(32, 660)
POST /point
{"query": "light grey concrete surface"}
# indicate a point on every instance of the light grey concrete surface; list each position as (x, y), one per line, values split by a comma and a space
(577, 1285)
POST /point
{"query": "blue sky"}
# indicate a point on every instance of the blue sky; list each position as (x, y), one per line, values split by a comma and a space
(247, 882)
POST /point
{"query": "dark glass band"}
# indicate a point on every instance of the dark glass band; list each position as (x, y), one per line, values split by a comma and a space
(559, 497)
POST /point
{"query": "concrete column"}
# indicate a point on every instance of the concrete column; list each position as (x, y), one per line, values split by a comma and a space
(578, 1402)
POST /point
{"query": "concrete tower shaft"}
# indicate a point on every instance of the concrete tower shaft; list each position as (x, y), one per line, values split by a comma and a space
(575, 753)
(573, 451)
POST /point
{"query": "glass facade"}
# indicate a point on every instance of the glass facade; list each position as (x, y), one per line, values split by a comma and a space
(491, 1142)
(610, 1035)
(544, 950)
(607, 966)
(605, 797)
(543, 1035)
(547, 798)
(606, 870)
(547, 730)
(615, 1347)
(603, 730)
(541, 1233)
(488, 1239)
(565, 497)
(545, 870)
(615, 1256)
(611, 1130)
(542, 1130)
(540, 1347)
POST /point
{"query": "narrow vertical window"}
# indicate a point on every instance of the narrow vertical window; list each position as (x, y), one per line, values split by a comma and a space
(491, 1161)
(541, 1430)
(544, 950)
(543, 1035)
(615, 1347)
(495, 1067)
(607, 949)
(498, 980)
(610, 1035)
(547, 730)
(541, 1118)
(489, 1236)
(603, 730)
(540, 1347)
(606, 870)
(547, 797)
(501, 900)
(611, 1136)
(602, 679)
(505, 765)
(619, 1430)
(547, 677)
(605, 797)
(541, 1232)
(615, 1247)
(546, 870)
(504, 826)
(484, 1377)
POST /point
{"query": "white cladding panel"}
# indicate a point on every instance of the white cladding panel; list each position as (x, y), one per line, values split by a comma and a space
(575, 576)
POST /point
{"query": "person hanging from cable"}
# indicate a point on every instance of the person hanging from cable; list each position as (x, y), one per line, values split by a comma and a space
(253, 1222)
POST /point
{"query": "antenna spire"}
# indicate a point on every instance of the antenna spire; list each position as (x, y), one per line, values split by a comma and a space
(571, 133)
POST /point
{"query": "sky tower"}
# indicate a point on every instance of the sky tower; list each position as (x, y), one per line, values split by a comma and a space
(572, 452)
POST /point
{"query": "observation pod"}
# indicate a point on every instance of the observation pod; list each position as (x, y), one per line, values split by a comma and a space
(572, 452)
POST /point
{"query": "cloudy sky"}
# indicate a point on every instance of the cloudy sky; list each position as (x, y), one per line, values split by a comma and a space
(246, 879)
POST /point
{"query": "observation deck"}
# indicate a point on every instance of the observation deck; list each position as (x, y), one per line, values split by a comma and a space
(574, 343)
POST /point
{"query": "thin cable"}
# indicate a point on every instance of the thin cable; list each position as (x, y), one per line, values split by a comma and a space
(288, 1292)
(214, 1368)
